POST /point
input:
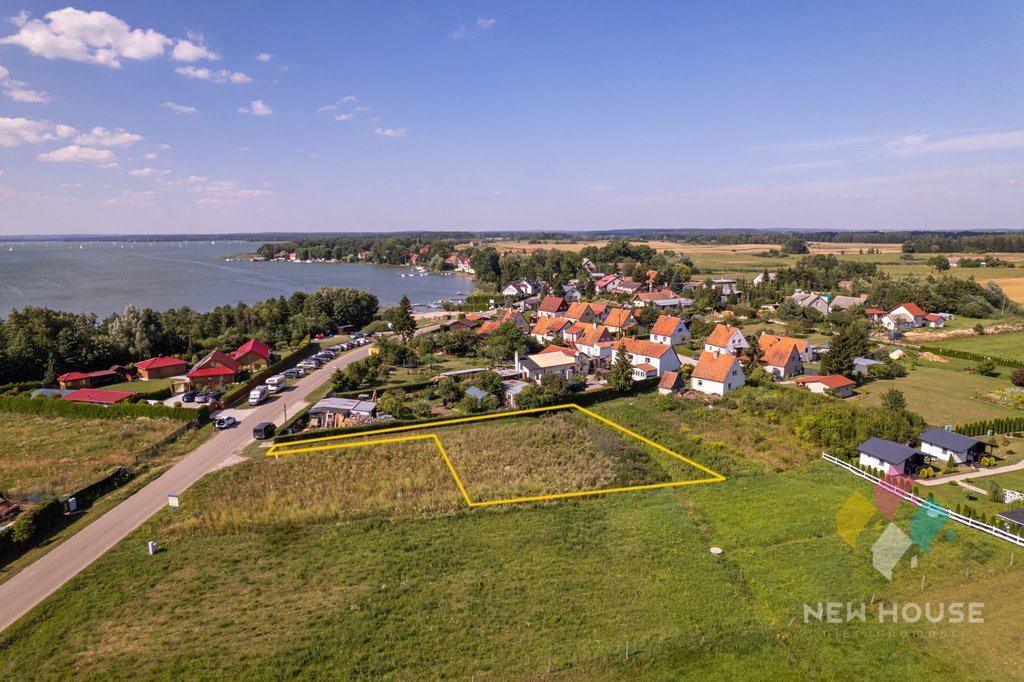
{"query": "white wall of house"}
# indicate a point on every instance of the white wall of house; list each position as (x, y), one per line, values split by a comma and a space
(874, 462)
(734, 381)
(679, 334)
(669, 362)
(842, 391)
(941, 454)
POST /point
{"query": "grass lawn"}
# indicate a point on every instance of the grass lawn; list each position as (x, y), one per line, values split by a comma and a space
(48, 454)
(141, 386)
(941, 394)
(998, 345)
(502, 593)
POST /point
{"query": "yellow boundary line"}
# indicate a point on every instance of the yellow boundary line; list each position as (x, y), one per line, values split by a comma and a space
(290, 449)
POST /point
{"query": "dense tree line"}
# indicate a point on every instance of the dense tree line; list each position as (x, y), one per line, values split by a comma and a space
(391, 250)
(40, 344)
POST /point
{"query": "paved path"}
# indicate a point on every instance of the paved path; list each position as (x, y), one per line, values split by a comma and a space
(973, 474)
(40, 579)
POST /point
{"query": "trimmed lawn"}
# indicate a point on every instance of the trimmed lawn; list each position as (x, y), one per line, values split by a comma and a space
(942, 395)
(998, 345)
(47, 454)
(141, 386)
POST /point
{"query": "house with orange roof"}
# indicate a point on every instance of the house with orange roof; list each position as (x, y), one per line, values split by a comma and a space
(717, 373)
(806, 350)
(596, 343)
(842, 386)
(726, 339)
(485, 329)
(904, 316)
(649, 359)
(782, 360)
(581, 312)
(670, 330)
(671, 382)
(934, 320)
(552, 306)
(620, 320)
(549, 328)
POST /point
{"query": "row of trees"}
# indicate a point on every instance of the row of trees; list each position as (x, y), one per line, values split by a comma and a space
(39, 344)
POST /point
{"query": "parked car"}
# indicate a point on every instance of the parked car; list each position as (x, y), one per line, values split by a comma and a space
(214, 395)
(293, 373)
(189, 396)
(202, 397)
(258, 395)
(263, 430)
(225, 423)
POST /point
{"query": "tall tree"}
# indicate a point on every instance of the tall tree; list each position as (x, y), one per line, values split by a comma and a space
(620, 378)
(851, 342)
(403, 323)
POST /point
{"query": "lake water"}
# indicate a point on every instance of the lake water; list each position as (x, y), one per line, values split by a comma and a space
(104, 277)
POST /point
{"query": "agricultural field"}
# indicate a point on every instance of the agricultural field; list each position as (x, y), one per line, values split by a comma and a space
(542, 590)
(997, 345)
(49, 454)
(943, 393)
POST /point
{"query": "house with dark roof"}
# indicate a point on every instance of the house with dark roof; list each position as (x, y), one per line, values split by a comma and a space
(891, 457)
(252, 353)
(216, 370)
(161, 367)
(1015, 517)
(942, 445)
(717, 373)
(863, 365)
(625, 286)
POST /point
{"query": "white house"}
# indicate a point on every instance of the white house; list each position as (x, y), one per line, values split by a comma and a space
(650, 359)
(726, 339)
(890, 457)
(806, 350)
(669, 330)
(906, 316)
(661, 299)
(782, 360)
(717, 373)
(822, 383)
(942, 444)
(549, 328)
(760, 278)
(565, 362)
(596, 343)
(811, 300)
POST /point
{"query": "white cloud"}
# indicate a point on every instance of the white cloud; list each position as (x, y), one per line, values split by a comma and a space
(327, 107)
(71, 185)
(349, 98)
(15, 131)
(390, 132)
(74, 153)
(179, 108)
(485, 24)
(193, 49)
(263, 57)
(146, 172)
(19, 91)
(481, 24)
(221, 76)
(164, 146)
(94, 37)
(256, 108)
(362, 109)
(132, 199)
(227, 191)
(343, 117)
(924, 144)
(101, 137)
(150, 156)
(460, 32)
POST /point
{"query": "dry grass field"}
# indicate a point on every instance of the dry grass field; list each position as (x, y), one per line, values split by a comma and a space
(1013, 286)
(46, 454)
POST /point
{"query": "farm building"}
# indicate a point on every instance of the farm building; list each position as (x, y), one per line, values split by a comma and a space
(836, 382)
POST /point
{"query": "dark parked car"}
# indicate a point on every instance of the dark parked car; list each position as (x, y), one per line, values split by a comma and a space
(293, 373)
(189, 396)
(263, 431)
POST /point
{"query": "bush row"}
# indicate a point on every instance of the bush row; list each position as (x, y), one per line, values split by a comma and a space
(67, 408)
(1001, 425)
(21, 387)
(286, 362)
(965, 355)
(30, 526)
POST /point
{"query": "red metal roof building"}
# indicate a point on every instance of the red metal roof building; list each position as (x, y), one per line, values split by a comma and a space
(216, 369)
(97, 396)
(252, 353)
(161, 367)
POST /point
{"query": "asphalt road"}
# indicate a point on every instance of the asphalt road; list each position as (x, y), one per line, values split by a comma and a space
(40, 579)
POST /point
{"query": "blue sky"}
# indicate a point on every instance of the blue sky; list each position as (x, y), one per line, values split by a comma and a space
(235, 116)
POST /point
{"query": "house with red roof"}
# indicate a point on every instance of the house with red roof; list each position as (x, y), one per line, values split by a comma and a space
(103, 377)
(766, 341)
(252, 353)
(602, 285)
(670, 330)
(842, 386)
(161, 367)
(549, 328)
(596, 343)
(671, 382)
(934, 320)
(97, 396)
(782, 360)
(717, 373)
(552, 306)
(905, 316)
(216, 370)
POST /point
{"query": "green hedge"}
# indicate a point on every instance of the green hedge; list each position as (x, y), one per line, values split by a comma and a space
(581, 399)
(242, 392)
(31, 526)
(965, 355)
(67, 408)
(21, 387)
(1001, 425)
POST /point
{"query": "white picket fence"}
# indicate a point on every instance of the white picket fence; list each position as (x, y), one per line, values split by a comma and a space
(920, 501)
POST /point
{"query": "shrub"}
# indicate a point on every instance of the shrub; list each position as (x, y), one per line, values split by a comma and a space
(1017, 376)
